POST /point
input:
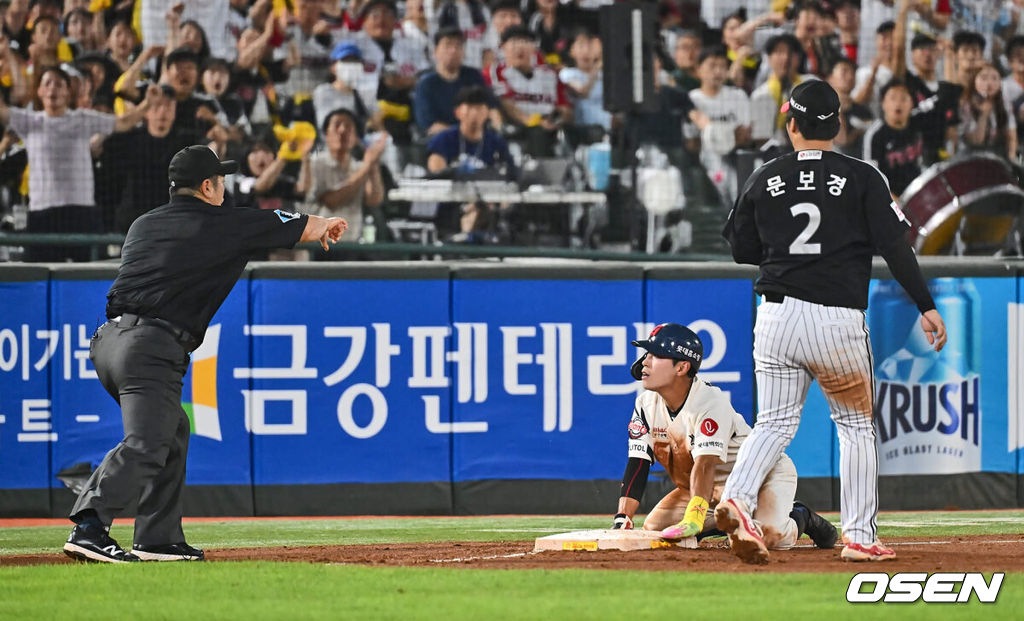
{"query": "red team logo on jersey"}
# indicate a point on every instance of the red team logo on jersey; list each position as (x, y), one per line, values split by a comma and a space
(637, 428)
(709, 427)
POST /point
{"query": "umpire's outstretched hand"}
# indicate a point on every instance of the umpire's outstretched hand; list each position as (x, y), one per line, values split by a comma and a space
(324, 230)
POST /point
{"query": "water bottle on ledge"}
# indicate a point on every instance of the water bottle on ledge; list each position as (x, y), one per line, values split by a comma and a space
(369, 235)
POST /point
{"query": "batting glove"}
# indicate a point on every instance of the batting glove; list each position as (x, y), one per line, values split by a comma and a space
(622, 522)
(692, 522)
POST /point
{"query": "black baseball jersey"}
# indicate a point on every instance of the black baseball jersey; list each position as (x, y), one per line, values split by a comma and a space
(934, 111)
(181, 260)
(896, 152)
(812, 221)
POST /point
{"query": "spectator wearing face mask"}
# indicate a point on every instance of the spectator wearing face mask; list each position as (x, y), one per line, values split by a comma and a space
(343, 91)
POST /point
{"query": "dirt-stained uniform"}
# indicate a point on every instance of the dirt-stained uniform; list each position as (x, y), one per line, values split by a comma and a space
(706, 424)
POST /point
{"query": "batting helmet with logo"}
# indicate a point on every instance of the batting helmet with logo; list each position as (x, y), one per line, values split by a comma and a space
(671, 340)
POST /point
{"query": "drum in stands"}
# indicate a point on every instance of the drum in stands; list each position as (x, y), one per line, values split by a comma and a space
(974, 199)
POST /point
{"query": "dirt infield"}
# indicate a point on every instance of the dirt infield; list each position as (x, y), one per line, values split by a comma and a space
(968, 553)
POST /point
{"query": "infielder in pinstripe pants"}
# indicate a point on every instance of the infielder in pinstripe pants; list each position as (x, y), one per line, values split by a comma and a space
(812, 220)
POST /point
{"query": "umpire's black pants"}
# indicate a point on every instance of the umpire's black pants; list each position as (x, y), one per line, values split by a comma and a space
(142, 366)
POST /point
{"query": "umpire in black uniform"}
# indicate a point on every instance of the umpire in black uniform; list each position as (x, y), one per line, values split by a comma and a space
(178, 264)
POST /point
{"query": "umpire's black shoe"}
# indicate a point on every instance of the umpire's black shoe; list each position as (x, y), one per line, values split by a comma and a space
(820, 530)
(92, 543)
(168, 552)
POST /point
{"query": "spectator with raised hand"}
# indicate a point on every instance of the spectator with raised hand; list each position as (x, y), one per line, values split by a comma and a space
(848, 25)
(135, 163)
(584, 80)
(828, 46)
(130, 85)
(415, 24)
(436, 90)
(312, 37)
(61, 186)
(986, 124)
(968, 56)
(854, 118)
(936, 102)
(192, 36)
(341, 184)
(199, 116)
(738, 38)
(159, 19)
(870, 80)
(255, 73)
(471, 17)
(783, 54)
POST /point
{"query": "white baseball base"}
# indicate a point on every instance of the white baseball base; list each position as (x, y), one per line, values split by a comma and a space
(608, 539)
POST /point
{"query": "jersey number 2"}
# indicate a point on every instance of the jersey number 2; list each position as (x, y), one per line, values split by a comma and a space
(800, 245)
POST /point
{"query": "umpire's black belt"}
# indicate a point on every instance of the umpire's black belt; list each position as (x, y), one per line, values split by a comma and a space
(183, 336)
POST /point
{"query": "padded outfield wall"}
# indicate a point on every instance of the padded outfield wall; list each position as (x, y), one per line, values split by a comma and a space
(433, 388)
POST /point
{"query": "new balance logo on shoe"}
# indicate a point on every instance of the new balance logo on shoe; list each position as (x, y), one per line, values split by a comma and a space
(95, 545)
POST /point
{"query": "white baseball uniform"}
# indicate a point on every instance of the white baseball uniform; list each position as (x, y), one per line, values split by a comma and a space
(707, 424)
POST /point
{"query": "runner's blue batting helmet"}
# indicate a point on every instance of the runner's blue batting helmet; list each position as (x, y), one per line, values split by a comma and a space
(671, 340)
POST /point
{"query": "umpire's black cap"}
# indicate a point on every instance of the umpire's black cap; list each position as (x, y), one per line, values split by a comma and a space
(193, 165)
(814, 100)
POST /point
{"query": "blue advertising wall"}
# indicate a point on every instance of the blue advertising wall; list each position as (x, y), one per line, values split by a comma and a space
(25, 426)
(434, 388)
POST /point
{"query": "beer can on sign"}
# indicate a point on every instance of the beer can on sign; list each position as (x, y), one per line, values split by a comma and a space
(927, 403)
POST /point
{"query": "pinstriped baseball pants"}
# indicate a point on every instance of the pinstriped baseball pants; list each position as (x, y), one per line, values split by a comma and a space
(796, 342)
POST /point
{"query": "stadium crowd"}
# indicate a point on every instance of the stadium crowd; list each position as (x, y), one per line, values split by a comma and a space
(327, 103)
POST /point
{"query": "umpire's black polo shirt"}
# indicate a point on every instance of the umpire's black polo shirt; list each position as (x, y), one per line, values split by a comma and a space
(181, 260)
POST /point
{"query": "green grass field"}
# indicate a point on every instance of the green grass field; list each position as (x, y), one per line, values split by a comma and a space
(260, 590)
